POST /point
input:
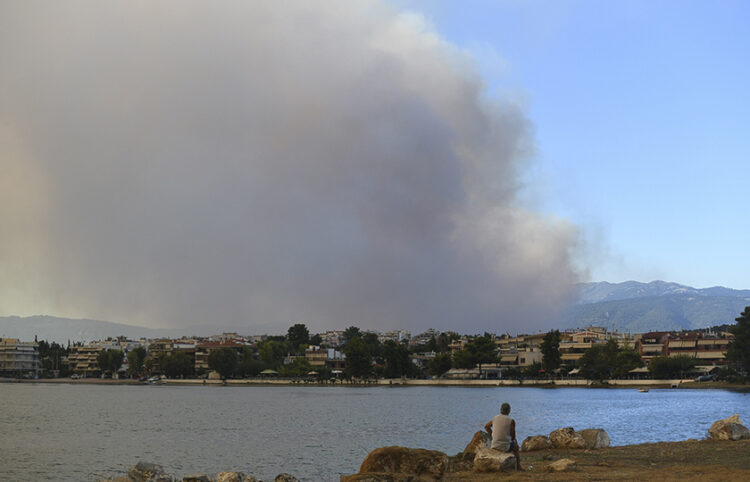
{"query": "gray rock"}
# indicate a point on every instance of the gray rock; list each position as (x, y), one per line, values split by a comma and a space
(567, 438)
(536, 442)
(595, 438)
(729, 429)
(491, 460)
(148, 472)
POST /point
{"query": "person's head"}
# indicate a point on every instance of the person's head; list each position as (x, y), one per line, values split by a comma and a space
(505, 408)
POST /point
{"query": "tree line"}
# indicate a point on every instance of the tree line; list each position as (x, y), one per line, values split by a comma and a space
(367, 357)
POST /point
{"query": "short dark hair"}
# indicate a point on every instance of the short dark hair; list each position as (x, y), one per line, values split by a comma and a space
(505, 408)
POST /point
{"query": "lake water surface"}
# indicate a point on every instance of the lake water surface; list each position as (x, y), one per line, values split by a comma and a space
(84, 432)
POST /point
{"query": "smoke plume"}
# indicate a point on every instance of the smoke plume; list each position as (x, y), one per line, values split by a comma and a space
(263, 163)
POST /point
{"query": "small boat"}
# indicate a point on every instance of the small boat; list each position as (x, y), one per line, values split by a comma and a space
(643, 389)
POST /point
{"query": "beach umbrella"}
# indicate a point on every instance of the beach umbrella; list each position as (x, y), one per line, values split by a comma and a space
(269, 372)
(313, 373)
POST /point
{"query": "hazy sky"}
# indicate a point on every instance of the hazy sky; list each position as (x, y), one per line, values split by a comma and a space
(457, 165)
(266, 163)
(641, 112)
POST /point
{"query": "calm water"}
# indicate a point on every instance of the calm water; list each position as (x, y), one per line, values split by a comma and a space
(82, 432)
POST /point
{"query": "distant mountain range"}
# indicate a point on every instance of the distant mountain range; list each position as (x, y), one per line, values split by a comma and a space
(657, 306)
(61, 330)
(630, 307)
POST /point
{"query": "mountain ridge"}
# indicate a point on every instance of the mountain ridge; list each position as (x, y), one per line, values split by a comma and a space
(637, 307)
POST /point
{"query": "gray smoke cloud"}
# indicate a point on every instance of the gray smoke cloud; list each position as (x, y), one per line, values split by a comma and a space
(263, 163)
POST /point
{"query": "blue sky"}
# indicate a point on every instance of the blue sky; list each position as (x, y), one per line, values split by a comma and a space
(642, 119)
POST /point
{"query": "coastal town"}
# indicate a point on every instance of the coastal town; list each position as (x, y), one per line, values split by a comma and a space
(592, 353)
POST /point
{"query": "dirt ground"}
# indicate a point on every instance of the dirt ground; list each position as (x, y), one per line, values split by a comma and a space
(703, 460)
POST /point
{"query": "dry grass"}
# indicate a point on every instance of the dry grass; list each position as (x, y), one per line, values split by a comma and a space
(703, 460)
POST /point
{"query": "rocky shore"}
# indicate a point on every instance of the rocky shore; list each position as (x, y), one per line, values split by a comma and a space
(564, 454)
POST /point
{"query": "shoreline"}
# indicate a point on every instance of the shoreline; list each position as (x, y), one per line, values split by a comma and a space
(550, 384)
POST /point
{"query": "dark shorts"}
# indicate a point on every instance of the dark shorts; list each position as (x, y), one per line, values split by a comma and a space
(513, 446)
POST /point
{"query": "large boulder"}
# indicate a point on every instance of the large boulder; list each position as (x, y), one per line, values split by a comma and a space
(566, 438)
(491, 460)
(595, 438)
(148, 472)
(536, 442)
(729, 429)
(562, 465)
(403, 460)
(481, 440)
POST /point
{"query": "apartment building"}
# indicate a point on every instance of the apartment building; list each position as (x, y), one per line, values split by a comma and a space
(709, 348)
(520, 350)
(82, 359)
(18, 358)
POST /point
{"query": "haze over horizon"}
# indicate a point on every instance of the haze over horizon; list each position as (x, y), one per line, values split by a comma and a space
(369, 163)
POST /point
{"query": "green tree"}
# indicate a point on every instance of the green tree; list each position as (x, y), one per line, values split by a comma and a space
(396, 358)
(551, 357)
(272, 352)
(532, 371)
(608, 361)
(443, 343)
(463, 359)
(299, 367)
(626, 360)
(349, 334)
(109, 361)
(298, 336)
(440, 364)
(177, 364)
(223, 360)
(358, 361)
(738, 352)
(482, 350)
(136, 357)
(595, 363)
(663, 367)
(374, 347)
(248, 365)
(316, 340)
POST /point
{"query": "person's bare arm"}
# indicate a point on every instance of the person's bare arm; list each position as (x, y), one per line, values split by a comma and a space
(488, 427)
(513, 429)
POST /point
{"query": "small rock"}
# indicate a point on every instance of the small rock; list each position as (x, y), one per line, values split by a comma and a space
(536, 442)
(481, 440)
(285, 478)
(562, 465)
(231, 477)
(729, 429)
(491, 460)
(594, 438)
(567, 438)
(148, 472)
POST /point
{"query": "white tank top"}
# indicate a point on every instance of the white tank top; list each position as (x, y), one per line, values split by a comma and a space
(501, 438)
